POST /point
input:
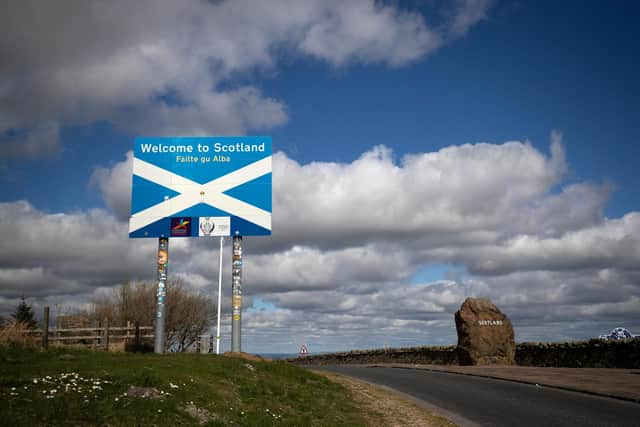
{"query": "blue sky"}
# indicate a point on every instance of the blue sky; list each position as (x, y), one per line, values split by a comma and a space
(430, 75)
(530, 68)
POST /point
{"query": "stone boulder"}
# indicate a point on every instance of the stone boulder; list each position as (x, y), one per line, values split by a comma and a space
(485, 334)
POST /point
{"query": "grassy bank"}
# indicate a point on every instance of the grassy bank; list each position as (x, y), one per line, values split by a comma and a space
(62, 387)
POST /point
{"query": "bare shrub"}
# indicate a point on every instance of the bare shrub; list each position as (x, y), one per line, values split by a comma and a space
(188, 313)
(17, 334)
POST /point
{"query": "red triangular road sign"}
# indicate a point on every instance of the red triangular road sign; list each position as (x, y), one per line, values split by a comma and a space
(303, 350)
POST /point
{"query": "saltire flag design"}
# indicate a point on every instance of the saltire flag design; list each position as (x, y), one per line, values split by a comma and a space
(174, 186)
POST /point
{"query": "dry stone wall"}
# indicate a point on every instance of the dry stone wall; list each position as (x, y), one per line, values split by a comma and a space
(581, 354)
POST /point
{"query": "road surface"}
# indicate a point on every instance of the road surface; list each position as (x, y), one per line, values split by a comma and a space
(489, 402)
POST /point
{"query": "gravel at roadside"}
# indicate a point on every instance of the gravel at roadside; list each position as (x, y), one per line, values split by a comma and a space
(387, 409)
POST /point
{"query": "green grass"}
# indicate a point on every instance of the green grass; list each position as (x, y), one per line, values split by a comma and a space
(90, 388)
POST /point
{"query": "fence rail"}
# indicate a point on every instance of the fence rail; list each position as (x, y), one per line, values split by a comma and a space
(100, 335)
(97, 328)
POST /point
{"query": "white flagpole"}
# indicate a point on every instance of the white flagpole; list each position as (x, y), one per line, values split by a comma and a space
(219, 298)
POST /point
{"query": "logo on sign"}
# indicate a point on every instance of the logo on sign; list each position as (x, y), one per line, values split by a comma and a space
(180, 227)
(214, 225)
(206, 226)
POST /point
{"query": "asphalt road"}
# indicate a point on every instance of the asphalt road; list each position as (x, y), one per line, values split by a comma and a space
(489, 402)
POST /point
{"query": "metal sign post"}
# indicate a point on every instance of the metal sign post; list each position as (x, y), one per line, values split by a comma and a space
(163, 261)
(219, 297)
(236, 295)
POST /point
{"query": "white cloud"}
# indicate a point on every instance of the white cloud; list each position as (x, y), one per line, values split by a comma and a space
(115, 186)
(483, 190)
(64, 253)
(613, 243)
(164, 68)
(466, 14)
(364, 31)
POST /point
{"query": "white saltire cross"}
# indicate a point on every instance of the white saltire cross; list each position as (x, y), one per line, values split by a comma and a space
(191, 193)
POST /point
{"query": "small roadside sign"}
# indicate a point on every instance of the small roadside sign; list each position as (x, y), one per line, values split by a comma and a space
(303, 350)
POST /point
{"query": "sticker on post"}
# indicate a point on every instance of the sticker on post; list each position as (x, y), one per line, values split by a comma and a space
(237, 301)
(163, 257)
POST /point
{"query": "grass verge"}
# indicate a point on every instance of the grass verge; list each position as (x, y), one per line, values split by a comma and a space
(63, 387)
(383, 408)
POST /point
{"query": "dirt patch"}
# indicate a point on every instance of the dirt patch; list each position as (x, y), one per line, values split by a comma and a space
(200, 414)
(144, 392)
(246, 356)
(383, 408)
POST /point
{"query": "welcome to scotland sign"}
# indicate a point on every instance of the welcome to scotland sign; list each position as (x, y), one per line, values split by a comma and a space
(210, 186)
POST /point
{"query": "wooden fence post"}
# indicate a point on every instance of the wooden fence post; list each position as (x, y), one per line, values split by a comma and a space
(96, 325)
(45, 328)
(137, 342)
(106, 334)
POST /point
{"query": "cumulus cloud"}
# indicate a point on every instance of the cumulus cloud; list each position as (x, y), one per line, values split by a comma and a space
(467, 13)
(613, 243)
(55, 254)
(547, 256)
(164, 68)
(115, 186)
(364, 31)
(482, 190)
